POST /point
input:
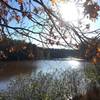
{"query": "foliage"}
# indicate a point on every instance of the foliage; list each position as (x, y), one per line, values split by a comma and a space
(91, 50)
(91, 8)
(16, 50)
(93, 73)
(11, 50)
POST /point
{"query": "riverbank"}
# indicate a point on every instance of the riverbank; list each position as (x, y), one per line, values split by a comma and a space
(44, 86)
(51, 86)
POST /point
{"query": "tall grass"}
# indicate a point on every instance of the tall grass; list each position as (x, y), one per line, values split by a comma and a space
(58, 85)
(49, 86)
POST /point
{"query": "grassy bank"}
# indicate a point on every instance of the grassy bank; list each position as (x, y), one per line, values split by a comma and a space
(49, 86)
(55, 86)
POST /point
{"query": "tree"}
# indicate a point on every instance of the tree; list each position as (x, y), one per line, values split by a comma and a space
(38, 20)
(91, 51)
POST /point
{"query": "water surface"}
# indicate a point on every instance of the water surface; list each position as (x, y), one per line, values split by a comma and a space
(9, 70)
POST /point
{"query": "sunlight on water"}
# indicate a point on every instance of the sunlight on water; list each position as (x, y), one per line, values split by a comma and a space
(13, 69)
(74, 64)
(61, 65)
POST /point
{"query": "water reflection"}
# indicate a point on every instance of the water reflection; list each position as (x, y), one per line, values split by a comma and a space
(9, 70)
(60, 65)
(74, 64)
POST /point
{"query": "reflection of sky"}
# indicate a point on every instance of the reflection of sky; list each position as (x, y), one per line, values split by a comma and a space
(74, 64)
(46, 66)
(3, 85)
(60, 65)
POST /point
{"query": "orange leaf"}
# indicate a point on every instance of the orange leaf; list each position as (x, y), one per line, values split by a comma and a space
(54, 2)
(63, 1)
(94, 60)
(98, 49)
(17, 17)
(20, 1)
(24, 13)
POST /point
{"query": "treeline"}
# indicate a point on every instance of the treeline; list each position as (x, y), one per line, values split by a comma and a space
(20, 50)
(16, 50)
(58, 53)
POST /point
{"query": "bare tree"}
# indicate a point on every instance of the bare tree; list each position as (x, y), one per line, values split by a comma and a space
(37, 20)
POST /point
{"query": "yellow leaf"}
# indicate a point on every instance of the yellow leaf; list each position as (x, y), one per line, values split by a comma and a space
(63, 1)
(54, 1)
(94, 60)
(98, 49)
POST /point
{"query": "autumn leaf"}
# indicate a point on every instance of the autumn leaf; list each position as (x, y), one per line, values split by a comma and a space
(17, 17)
(94, 15)
(97, 7)
(98, 55)
(24, 14)
(98, 49)
(29, 15)
(5, 1)
(54, 2)
(94, 60)
(20, 1)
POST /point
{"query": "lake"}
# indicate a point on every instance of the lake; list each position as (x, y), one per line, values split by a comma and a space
(9, 70)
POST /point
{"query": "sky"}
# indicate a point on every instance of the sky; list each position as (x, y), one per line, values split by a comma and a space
(93, 24)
